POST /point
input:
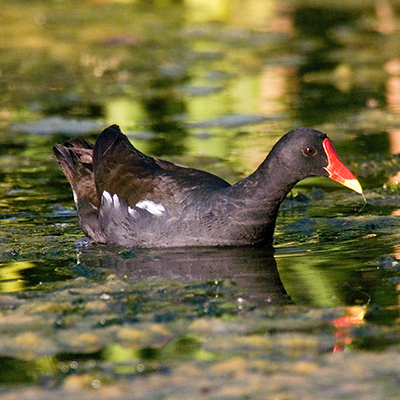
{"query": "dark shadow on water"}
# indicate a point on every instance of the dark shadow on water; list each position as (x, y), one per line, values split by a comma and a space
(254, 271)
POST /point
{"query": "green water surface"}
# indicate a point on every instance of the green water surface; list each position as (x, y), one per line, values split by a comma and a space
(212, 85)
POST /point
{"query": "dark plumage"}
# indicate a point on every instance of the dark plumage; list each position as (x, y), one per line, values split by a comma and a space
(126, 198)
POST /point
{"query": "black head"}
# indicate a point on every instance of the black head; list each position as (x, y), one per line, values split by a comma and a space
(305, 152)
(302, 153)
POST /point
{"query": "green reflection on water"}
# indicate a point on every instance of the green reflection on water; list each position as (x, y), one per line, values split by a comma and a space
(10, 276)
(158, 69)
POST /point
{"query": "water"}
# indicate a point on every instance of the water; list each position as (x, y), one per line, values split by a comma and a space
(316, 317)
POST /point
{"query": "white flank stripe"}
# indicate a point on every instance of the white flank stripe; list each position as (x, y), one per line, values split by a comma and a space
(107, 197)
(116, 201)
(75, 198)
(151, 207)
(132, 212)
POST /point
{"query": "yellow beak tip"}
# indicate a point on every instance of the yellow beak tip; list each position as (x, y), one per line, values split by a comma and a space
(353, 184)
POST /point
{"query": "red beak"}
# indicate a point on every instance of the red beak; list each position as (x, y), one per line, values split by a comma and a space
(337, 170)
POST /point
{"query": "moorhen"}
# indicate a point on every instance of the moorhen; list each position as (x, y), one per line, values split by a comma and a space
(124, 197)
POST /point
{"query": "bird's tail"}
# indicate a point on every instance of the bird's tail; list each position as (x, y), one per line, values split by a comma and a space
(75, 158)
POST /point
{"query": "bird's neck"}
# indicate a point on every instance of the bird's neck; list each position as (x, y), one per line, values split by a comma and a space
(269, 184)
(259, 197)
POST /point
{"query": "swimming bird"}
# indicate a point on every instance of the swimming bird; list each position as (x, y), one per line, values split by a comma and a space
(124, 197)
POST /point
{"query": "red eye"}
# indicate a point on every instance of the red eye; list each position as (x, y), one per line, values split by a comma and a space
(309, 151)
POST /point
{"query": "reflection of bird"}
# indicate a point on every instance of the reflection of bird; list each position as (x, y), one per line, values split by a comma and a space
(124, 197)
(246, 274)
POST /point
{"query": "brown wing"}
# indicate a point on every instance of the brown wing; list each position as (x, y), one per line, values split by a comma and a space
(121, 169)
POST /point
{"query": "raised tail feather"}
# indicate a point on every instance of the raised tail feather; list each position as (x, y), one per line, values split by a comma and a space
(75, 158)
